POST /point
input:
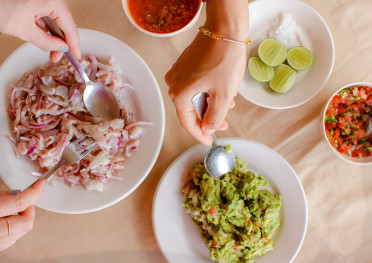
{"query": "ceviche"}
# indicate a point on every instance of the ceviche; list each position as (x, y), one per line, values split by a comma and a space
(347, 120)
(47, 112)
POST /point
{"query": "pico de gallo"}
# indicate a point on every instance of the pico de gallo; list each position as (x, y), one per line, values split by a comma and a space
(347, 119)
(163, 16)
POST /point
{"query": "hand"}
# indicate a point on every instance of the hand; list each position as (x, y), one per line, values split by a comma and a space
(207, 65)
(19, 211)
(21, 18)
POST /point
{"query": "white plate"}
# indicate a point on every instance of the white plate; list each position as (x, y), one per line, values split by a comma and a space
(178, 237)
(148, 106)
(315, 36)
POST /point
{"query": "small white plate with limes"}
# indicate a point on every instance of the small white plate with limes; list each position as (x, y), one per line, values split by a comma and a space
(313, 34)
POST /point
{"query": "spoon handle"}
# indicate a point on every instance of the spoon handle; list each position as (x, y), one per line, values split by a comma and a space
(201, 104)
(54, 30)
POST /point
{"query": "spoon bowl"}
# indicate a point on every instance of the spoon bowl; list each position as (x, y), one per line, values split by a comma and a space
(99, 100)
(218, 160)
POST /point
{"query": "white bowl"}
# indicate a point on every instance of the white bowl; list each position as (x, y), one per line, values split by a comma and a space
(183, 29)
(353, 160)
(315, 36)
(148, 105)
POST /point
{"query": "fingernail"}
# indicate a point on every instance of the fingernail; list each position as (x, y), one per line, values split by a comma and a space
(14, 192)
(208, 132)
(63, 49)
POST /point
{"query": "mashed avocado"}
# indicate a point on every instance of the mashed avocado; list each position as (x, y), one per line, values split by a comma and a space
(236, 219)
(228, 149)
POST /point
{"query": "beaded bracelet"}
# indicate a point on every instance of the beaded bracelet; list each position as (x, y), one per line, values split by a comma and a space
(208, 33)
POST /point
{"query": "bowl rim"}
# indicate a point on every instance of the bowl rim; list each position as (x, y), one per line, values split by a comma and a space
(171, 34)
(352, 160)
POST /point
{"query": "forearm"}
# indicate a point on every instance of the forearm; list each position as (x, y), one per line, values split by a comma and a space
(229, 18)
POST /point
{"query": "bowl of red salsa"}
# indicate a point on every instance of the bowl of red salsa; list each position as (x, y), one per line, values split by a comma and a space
(162, 18)
(347, 122)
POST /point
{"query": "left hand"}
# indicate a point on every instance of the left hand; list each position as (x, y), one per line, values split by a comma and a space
(207, 65)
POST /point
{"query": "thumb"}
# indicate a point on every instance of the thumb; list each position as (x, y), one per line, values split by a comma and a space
(215, 114)
(12, 204)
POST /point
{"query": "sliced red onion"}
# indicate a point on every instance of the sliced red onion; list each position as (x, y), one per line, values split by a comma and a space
(127, 85)
(137, 123)
(32, 148)
(58, 102)
(76, 92)
(34, 125)
(42, 80)
(117, 178)
(73, 115)
(11, 115)
(119, 141)
(61, 82)
(13, 91)
(36, 174)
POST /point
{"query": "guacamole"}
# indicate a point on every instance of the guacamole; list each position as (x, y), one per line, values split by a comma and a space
(236, 219)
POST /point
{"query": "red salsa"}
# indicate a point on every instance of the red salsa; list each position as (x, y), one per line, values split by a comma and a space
(163, 16)
(347, 120)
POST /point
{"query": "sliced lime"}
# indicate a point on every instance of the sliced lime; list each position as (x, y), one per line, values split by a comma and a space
(259, 70)
(284, 78)
(299, 58)
(272, 52)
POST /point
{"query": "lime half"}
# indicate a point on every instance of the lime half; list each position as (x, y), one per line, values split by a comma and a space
(284, 78)
(272, 52)
(259, 70)
(299, 58)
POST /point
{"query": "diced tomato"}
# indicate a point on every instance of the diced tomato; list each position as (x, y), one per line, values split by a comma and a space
(332, 111)
(337, 99)
(336, 133)
(192, 174)
(236, 241)
(343, 147)
(359, 134)
(342, 122)
(237, 248)
(214, 243)
(213, 211)
(265, 239)
(330, 125)
(341, 110)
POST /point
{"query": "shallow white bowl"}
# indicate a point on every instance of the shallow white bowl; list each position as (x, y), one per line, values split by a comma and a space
(315, 36)
(147, 104)
(179, 239)
(353, 160)
(179, 31)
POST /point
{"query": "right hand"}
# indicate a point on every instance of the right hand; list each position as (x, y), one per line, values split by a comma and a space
(19, 211)
(21, 18)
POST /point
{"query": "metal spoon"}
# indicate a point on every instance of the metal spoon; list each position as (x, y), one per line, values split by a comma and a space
(98, 99)
(217, 161)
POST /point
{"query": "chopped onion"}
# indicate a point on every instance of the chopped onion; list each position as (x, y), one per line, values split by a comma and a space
(137, 123)
(60, 82)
